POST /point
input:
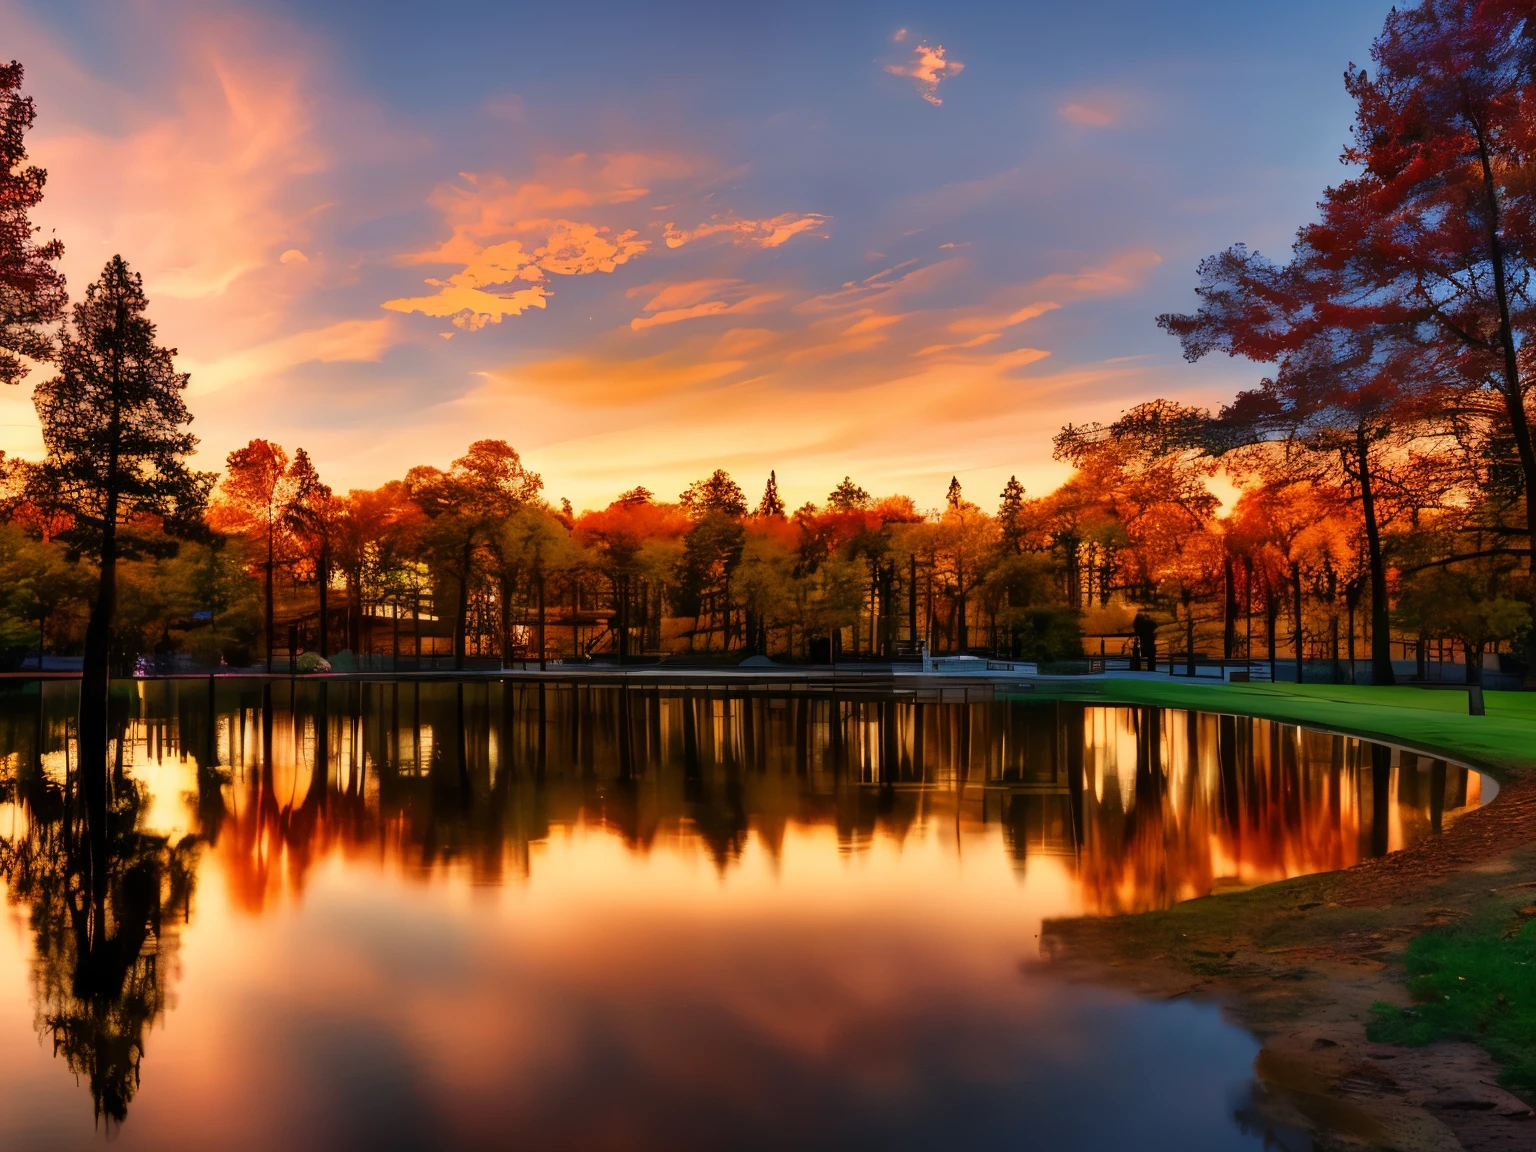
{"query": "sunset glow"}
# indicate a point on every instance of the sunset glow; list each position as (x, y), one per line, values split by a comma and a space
(903, 249)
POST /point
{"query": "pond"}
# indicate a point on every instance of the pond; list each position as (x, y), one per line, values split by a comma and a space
(471, 914)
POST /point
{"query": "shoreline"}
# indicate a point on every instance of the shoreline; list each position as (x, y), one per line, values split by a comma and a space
(1299, 962)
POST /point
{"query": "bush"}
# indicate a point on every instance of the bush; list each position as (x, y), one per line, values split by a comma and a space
(311, 662)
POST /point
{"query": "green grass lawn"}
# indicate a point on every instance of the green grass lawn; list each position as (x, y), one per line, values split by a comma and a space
(1502, 742)
(1476, 984)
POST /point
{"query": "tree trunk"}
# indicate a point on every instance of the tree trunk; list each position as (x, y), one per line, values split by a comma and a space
(1271, 625)
(540, 582)
(1189, 634)
(1381, 621)
(95, 688)
(325, 610)
(461, 620)
(622, 614)
(1229, 611)
(1296, 603)
(508, 591)
(271, 613)
(962, 637)
(1513, 393)
(912, 599)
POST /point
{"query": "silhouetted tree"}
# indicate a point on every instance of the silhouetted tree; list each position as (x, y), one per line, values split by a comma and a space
(771, 504)
(32, 292)
(114, 424)
(1010, 516)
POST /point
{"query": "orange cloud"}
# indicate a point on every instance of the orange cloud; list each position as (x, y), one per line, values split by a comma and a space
(348, 340)
(767, 233)
(697, 298)
(972, 324)
(926, 69)
(888, 284)
(486, 208)
(1123, 273)
(581, 249)
(503, 232)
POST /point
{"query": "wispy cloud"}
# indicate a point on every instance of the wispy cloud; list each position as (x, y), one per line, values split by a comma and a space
(766, 233)
(1097, 111)
(348, 340)
(696, 299)
(927, 66)
(1124, 272)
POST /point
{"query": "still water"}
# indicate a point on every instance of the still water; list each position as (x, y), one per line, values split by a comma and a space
(481, 915)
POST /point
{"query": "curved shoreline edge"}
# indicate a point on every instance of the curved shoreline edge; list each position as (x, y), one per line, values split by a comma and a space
(1300, 962)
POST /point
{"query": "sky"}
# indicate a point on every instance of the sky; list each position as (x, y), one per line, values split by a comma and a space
(643, 241)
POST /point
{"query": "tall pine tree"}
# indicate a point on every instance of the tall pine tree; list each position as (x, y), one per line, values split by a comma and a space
(114, 426)
(1010, 516)
(771, 504)
(31, 288)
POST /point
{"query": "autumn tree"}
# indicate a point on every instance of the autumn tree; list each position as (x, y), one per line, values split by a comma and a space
(310, 518)
(262, 495)
(114, 425)
(373, 535)
(715, 493)
(848, 497)
(32, 295)
(1440, 215)
(617, 535)
(465, 507)
(1353, 385)
(537, 543)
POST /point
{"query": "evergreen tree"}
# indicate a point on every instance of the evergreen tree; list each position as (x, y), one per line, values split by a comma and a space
(953, 496)
(716, 493)
(1010, 516)
(31, 288)
(848, 497)
(114, 427)
(771, 504)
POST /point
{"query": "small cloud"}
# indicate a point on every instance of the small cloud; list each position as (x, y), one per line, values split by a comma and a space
(927, 67)
(901, 34)
(1095, 112)
(293, 256)
(962, 244)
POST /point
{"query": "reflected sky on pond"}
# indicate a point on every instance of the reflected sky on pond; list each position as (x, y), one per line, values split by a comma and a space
(415, 915)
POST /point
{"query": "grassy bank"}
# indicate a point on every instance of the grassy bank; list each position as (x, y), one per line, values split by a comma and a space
(1503, 742)
(1476, 983)
(1278, 951)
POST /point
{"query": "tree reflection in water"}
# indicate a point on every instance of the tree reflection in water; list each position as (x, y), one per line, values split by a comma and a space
(104, 933)
(1138, 807)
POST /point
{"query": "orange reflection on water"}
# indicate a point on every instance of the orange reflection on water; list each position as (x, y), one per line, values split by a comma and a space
(499, 886)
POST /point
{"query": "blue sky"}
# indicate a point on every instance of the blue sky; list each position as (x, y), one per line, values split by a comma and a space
(791, 236)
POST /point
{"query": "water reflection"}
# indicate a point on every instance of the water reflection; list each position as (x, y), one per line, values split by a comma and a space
(916, 845)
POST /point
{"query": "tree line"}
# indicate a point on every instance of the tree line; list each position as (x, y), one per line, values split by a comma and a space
(1382, 463)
